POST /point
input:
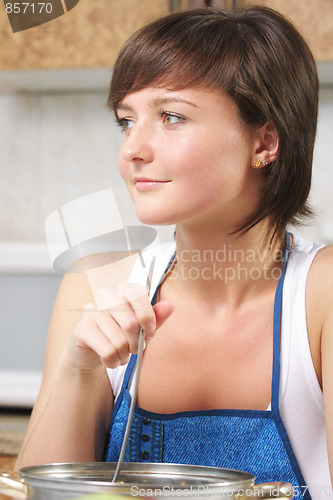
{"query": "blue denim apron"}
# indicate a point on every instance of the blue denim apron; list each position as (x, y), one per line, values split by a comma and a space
(249, 440)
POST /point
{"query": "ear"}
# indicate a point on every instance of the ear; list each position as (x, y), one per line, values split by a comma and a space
(267, 144)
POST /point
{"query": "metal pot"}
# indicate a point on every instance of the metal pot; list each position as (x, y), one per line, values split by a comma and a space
(76, 480)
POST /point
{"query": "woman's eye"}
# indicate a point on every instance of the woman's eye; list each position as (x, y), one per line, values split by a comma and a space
(125, 123)
(171, 118)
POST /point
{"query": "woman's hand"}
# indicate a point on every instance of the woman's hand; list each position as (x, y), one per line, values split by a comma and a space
(108, 332)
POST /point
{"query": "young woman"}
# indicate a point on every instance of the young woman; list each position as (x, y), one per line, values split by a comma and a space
(218, 112)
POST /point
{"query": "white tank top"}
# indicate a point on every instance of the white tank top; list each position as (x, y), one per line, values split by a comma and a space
(301, 399)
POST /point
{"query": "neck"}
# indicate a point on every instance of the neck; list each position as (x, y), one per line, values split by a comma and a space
(220, 265)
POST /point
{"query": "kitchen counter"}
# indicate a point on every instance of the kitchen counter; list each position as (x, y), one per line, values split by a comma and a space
(6, 464)
(13, 426)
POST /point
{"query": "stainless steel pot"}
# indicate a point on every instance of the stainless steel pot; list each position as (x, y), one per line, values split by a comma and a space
(76, 480)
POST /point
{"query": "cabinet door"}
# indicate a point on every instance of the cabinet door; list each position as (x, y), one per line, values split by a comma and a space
(89, 35)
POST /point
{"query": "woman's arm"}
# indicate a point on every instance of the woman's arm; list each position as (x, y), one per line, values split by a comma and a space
(88, 332)
(70, 417)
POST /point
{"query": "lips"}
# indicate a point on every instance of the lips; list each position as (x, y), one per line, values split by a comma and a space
(146, 183)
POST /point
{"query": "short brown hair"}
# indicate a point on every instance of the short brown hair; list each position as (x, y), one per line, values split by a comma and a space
(259, 59)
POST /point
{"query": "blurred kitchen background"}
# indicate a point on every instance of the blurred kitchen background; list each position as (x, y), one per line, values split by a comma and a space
(59, 142)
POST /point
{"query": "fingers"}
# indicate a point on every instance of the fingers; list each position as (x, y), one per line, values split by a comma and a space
(143, 313)
(116, 348)
(96, 340)
(130, 308)
(110, 334)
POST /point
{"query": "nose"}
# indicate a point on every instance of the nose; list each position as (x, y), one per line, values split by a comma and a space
(137, 144)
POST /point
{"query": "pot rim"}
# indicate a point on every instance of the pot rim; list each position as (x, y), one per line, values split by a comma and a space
(73, 474)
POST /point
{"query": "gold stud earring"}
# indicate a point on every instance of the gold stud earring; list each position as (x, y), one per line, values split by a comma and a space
(258, 163)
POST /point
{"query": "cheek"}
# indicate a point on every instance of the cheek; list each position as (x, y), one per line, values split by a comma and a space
(200, 161)
(188, 158)
(214, 166)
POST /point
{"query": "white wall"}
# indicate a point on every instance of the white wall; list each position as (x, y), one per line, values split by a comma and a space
(56, 147)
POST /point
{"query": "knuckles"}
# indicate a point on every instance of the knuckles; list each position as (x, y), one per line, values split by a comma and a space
(105, 299)
(131, 291)
(109, 358)
(125, 292)
(108, 298)
(112, 357)
(130, 324)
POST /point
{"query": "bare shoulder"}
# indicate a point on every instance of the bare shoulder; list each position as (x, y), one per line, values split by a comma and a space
(319, 298)
(78, 288)
(320, 278)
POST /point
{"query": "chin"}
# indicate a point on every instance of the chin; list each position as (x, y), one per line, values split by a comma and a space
(154, 220)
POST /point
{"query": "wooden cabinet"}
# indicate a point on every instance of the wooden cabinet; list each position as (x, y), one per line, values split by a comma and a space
(91, 34)
(313, 18)
(190, 4)
(88, 36)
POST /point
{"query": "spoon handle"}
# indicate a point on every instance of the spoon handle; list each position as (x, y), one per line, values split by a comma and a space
(135, 383)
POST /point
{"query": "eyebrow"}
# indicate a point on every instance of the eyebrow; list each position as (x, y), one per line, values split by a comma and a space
(165, 100)
(123, 106)
(157, 102)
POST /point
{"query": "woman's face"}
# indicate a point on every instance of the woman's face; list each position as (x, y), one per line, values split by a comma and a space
(186, 157)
